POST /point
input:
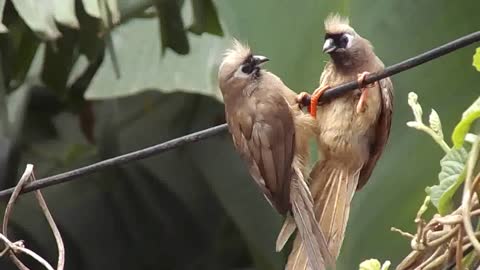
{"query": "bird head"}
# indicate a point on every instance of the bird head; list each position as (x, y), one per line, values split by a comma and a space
(343, 44)
(239, 67)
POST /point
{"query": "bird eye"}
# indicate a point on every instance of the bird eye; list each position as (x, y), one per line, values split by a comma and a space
(343, 41)
(248, 68)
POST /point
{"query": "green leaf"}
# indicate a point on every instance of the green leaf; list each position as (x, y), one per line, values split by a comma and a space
(65, 13)
(3, 28)
(94, 9)
(476, 59)
(435, 123)
(22, 47)
(462, 128)
(371, 264)
(450, 177)
(172, 30)
(39, 16)
(205, 18)
(143, 69)
(108, 21)
(58, 62)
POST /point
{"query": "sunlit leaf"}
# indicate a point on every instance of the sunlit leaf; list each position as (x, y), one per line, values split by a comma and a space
(450, 178)
(435, 123)
(143, 68)
(108, 22)
(476, 59)
(371, 264)
(39, 15)
(3, 28)
(92, 8)
(462, 128)
(65, 13)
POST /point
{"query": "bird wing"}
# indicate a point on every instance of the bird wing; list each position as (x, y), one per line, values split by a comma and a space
(264, 134)
(382, 131)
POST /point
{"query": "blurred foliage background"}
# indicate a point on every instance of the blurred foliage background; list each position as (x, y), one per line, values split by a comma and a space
(82, 81)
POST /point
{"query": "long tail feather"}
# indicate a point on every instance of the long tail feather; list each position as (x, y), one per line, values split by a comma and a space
(287, 230)
(332, 187)
(316, 247)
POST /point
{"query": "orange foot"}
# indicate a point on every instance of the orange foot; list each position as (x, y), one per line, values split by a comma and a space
(361, 105)
(315, 98)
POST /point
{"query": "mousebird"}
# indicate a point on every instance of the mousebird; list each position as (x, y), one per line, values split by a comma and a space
(269, 130)
(352, 131)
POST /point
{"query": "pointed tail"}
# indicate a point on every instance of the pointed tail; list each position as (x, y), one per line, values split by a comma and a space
(332, 187)
(315, 243)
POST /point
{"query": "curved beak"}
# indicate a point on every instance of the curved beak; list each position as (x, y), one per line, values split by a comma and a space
(259, 59)
(329, 46)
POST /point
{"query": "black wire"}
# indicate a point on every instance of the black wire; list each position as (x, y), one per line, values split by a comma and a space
(210, 132)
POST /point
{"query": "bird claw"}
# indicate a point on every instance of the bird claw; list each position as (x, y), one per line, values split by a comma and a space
(301, 98)
(362, 102)
(317, 94)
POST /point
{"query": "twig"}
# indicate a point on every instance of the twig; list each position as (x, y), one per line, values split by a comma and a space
(467, 193)
(459, 251)
(8, 213)
(210, 132)
(402, 233)
(53, 226)
(18, 247)
(430, 259)
(443, 238)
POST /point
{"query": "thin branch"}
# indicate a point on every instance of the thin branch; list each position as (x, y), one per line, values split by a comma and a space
(459, 251)
(467, 193)
(18, 247)
(8, 212)
(53, 226)
(210, 132)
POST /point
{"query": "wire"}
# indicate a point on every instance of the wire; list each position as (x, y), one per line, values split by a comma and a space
(210, 132)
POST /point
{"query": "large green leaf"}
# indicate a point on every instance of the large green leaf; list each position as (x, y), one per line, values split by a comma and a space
(143, 67)
(65, 13)
(39, 15)
(172, 30)
(3, 28)
(450, 178)
(205, 18)
(462, 128)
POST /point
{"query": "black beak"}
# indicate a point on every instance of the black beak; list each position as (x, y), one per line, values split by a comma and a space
(259, 60)
(329, 46)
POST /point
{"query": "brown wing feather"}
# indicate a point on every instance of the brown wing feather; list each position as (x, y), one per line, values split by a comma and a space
(264, 134)
(382, 131)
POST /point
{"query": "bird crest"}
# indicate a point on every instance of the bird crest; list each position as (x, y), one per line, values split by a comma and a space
(335, 23)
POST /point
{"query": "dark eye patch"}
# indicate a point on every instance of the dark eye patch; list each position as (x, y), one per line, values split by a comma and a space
(248, 65)
(340, 40)
(248, 68)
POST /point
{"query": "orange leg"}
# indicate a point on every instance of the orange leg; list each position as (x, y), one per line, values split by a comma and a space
(361, 105)
(314, 99)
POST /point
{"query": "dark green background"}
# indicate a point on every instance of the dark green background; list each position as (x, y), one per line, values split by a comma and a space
(196, 207)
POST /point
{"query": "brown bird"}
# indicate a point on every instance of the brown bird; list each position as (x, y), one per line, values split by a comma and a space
(352, 132)
(271, 133)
